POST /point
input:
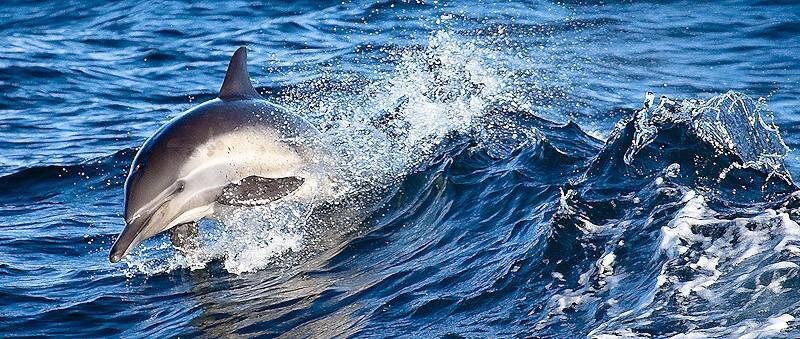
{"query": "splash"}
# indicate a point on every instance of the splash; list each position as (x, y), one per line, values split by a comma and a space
(244, 240)
(385, 129)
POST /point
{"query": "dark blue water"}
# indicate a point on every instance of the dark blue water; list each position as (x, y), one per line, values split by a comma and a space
(507, 174)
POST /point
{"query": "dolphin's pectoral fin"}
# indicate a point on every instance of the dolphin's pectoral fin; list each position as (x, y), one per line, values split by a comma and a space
(184, 237)
(255, 190)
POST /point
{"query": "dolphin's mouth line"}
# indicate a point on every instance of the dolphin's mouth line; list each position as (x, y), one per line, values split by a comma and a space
(144, 224)
(139, 231)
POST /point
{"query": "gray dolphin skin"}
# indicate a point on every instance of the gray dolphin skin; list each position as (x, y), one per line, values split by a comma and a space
(237, 150)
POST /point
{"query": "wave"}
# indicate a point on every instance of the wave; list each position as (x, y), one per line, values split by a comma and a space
(683, 215)
(722, 143)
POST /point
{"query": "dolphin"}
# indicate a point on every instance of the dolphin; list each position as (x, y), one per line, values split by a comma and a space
(235, 150)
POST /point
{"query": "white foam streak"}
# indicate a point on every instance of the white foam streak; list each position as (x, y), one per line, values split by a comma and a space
(704, 261)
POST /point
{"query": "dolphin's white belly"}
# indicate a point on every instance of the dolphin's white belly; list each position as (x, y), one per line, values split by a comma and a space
(229, 158)
(242, 153)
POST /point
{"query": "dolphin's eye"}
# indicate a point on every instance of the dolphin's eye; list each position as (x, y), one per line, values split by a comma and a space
(181, 186)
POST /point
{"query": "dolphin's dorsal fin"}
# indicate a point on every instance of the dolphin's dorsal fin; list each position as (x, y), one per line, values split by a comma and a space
(237, 84)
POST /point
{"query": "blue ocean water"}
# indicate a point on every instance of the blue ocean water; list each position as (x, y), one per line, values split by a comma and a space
(525, 184)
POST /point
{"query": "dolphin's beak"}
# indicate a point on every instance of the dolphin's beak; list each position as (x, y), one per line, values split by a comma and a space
(162, 214)
(129, 238)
